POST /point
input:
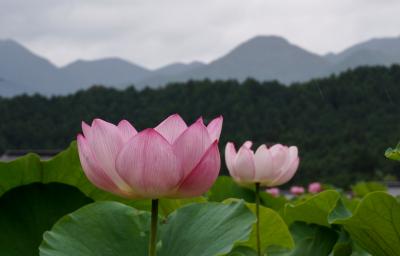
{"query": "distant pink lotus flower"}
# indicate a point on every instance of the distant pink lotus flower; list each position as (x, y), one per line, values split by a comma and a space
(297, 190)
(171, 160)
(314, 187)
(273, 191)
(268, 166)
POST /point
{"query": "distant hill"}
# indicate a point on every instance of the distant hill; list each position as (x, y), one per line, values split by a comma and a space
(110, 71)
(23, 71)
(178, 68)
(169, 73)
(388, 48)
(262, 58)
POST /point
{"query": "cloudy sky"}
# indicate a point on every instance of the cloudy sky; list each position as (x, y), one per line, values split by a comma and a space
(153, 33)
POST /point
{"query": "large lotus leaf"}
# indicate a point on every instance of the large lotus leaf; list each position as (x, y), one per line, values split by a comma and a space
(28, 211)
(99, 229)
(350, 203)
(310, 239)
(206, 229)
(358, 251)
(361, 189)
(225, 188)
(273, 230)
(111, 228)
(345, 246)
(314, 210)
(374, 225)
(25, 170)
(276, 203)
(167, 206)
(242, 251)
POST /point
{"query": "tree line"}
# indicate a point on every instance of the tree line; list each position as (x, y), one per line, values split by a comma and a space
(342, 124)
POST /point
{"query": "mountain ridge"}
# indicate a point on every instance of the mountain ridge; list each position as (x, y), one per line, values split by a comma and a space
(260, 57)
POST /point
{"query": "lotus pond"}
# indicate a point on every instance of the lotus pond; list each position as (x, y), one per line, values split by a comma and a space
(50, 208)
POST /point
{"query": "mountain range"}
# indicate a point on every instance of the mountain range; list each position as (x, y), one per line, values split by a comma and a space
(261, 58)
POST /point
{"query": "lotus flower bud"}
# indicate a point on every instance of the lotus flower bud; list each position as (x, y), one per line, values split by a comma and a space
(273, 191)
(297, 190)
(314, 187)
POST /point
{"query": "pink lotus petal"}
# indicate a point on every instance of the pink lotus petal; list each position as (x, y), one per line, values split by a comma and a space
(279, 155)
(95, 173)
(264, 164)
(291, 154)
(244, 165)
(105, 142)
(248, 144)
(287, 168)
(214, 128)
(191, 146)
(86, 129)
(230, 155)
(171, 128)
(148, 164)
(288, 174)
(204, 174)
(127, 130)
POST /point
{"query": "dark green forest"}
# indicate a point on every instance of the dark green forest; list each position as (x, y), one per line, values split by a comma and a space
(341, 124)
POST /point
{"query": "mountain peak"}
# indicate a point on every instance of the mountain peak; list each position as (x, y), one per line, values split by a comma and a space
(8, 41)
(265, 41)
(268, 38)
(260, 44)
(266, 58)
(107, 60)
(12, 45)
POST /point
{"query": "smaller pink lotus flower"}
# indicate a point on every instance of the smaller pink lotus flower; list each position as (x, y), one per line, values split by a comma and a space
(314, 187)
(171, 160)
(267, 166)
(273, 191)
(297, 190)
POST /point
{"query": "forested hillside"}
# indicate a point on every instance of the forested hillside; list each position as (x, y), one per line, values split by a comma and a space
(341, 124)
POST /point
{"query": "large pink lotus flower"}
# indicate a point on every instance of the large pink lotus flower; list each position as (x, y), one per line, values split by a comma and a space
(297, 190)
(268, 166)
(314, 187)
(171, 160)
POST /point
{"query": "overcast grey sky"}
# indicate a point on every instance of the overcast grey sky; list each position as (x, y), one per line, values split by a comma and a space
(154, 33)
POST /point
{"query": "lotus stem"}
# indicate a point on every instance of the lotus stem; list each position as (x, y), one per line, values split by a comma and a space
(153, 230)
(258, 218)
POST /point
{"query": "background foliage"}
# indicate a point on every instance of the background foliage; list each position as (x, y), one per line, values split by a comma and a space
(342, 124)
(50, 208)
